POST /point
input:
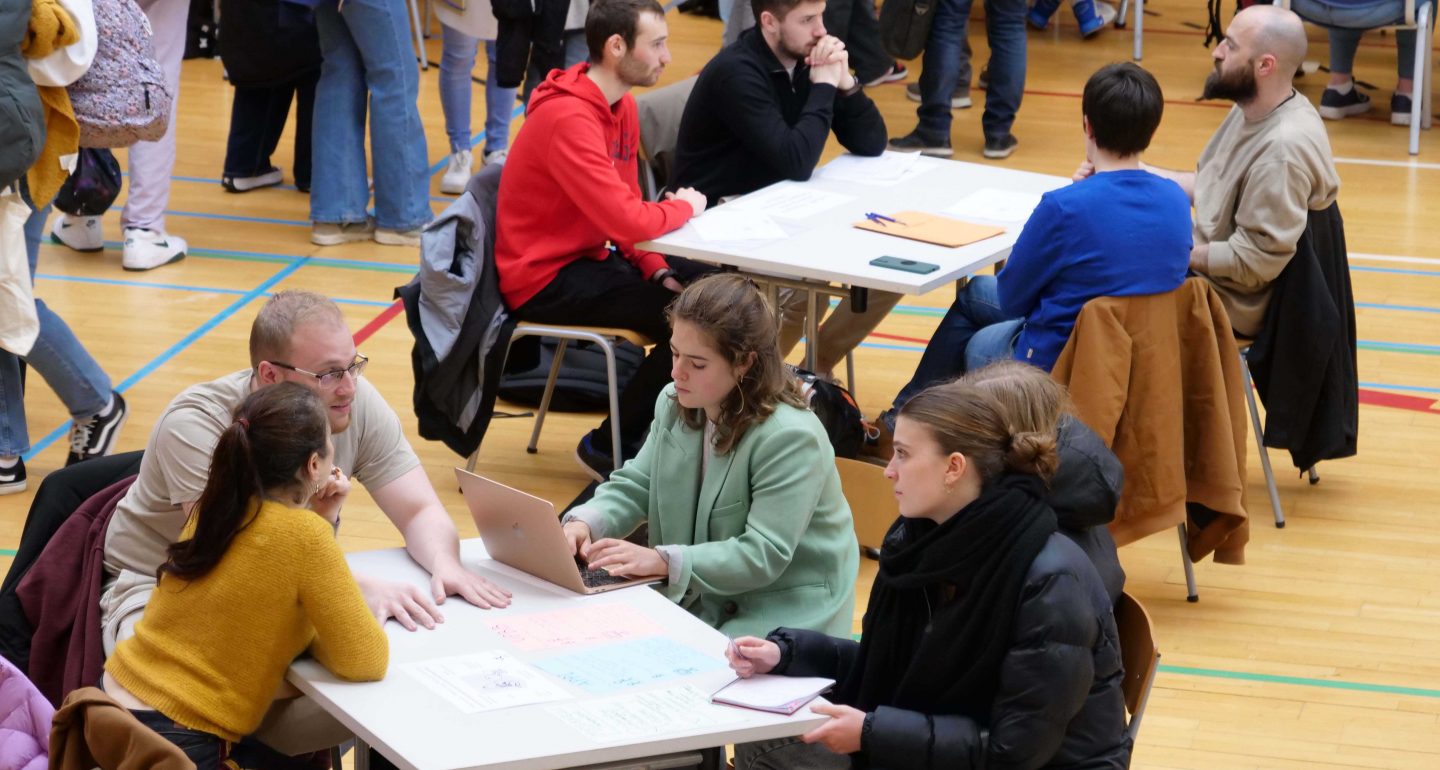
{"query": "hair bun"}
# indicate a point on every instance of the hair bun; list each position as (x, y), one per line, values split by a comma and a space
(1033, 453)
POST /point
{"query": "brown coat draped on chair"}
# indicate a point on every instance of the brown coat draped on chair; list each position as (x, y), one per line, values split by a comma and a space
(92, 730)
(1158, 377)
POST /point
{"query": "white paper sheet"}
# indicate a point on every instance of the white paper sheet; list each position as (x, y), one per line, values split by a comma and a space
(790, 201)
(628, 718)
(994, 205)
(485, 681)
(884, 169)
(730, 224)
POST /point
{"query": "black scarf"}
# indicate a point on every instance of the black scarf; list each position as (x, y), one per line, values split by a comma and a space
(941, 610)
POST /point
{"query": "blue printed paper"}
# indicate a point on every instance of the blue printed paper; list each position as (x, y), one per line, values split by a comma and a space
(628, 664)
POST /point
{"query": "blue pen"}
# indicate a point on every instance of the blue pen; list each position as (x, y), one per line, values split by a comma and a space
(881, 219)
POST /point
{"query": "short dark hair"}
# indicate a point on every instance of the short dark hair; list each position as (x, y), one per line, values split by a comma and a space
(1123, 103)
(777, 8)
(615, 17)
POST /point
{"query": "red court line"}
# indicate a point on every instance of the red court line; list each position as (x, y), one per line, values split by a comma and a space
(1397, 401)
(898, 338)
(386, 315)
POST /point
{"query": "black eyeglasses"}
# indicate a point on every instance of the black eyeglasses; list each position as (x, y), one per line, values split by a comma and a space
(331, 379)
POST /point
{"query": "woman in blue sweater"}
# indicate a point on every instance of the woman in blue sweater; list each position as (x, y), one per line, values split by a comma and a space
(1121, 231)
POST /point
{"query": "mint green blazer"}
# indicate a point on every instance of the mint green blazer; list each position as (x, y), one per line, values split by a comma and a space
(766, 535)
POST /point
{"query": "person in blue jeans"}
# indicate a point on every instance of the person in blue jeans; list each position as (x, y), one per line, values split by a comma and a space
(1122, 231)
(83, 387)
(940, 74)
(457, 60)
(1346, 21)
(369, 65)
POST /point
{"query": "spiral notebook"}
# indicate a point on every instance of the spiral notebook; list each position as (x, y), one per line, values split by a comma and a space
(775, 694)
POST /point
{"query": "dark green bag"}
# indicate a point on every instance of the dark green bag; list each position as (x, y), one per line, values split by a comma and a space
(905, 26)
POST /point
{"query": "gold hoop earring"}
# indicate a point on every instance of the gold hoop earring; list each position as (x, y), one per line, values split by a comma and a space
(740, 387)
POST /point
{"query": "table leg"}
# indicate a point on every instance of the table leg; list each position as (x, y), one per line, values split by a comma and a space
(812, 328)
(362, 754)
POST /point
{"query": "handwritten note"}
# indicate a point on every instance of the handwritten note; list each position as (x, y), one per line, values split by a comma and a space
(590, 624)
(627, 718)
(790, 200)
(485, 681)
(628, 664)
(727, 224)
(994, 205)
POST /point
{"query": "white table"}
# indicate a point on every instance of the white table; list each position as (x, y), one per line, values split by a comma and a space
(825, 248)
(418, 729)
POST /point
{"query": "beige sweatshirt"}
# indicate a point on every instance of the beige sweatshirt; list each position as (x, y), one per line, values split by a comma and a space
(1255, 183)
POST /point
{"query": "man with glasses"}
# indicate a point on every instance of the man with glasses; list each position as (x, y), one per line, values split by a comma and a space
(300, 337)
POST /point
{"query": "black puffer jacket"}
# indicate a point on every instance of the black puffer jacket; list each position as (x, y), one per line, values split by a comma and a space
(1083, 494)
(1059, 703)
(22, 119)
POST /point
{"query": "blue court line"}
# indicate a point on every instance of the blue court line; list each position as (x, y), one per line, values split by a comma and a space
(1402, 308)
(261, 256)
(1395, 271)
(179, 287)
(1334, 684)
(178, 347)
(1389, 386)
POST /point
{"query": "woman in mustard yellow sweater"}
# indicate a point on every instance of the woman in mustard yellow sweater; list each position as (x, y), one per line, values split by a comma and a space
(259, 580)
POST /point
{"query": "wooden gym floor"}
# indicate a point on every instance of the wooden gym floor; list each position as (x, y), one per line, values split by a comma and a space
(1312, 655)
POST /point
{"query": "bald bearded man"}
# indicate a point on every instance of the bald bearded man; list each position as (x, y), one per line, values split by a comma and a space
(1267, 166)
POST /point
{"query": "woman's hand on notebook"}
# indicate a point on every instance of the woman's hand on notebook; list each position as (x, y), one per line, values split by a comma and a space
(751, 655)
(625, 559)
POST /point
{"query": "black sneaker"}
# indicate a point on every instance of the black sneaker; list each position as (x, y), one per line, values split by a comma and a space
(914, 142)
(1337, 106)
(597, 463)
(997, 147)
(12, 479)
(96, 436)
(1400, 109)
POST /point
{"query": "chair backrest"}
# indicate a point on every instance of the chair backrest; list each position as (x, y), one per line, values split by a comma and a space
(660, 111)
(1140, 655)
(872, 501)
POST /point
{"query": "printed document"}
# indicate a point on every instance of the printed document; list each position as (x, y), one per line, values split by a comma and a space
(485, 681)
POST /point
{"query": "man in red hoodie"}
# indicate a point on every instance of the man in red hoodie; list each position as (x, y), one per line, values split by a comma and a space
(570, 210)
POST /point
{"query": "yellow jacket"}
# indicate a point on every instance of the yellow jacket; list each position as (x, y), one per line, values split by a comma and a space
(50, 28)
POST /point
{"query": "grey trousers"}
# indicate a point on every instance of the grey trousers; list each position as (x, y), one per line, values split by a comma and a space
(787, 754)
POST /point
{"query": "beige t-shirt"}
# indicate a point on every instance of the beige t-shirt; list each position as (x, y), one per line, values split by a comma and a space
(372, 448)
(1255, 184)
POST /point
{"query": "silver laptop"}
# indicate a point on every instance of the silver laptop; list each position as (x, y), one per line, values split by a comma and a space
(523, 531)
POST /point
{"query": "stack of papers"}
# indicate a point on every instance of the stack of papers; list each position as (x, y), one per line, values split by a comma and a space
(886, 169)
(995, 205)
(775, 694)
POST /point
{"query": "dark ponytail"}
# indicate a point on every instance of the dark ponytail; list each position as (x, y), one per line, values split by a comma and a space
(275, 432)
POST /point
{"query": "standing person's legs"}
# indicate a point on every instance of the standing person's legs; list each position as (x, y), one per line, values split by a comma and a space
(976, 306)
(304, 128)
(245, 148)
(846, 19)
(1005, 29)
(341, 190)
(457, 60)
(499, 110)
(381, 32)
(940, 70)
(152, 163)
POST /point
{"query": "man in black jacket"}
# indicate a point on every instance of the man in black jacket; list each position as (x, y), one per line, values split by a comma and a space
(761, 112)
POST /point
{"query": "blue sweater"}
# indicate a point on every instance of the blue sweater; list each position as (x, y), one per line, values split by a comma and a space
(1114, 234)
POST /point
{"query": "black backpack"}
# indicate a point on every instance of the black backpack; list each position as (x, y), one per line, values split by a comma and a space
(581, 385)
(837, 410)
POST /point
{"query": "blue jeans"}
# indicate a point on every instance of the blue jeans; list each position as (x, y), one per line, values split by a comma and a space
(973, 333)
(67, 367)
(1346, 24)
(940, 72)
(369, 62)
(207, 751)
(457, 60)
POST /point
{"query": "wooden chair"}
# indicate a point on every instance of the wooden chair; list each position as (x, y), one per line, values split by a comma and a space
(872, 502)
(1140, 655)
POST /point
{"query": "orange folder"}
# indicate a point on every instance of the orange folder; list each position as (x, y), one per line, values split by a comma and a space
(932, 228)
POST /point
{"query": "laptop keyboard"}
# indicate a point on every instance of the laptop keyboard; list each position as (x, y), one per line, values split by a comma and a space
(594, 578)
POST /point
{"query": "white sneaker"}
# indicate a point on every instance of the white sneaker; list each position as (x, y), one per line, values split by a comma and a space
(457, 175)
(79, 233)
(498, 156)
(147, 249)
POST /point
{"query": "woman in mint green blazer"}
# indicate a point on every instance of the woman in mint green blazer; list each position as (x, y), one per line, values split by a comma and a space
(737, 480)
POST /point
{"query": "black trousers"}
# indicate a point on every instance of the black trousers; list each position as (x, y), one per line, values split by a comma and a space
(855, 23)
(257, 118)
(612, 292)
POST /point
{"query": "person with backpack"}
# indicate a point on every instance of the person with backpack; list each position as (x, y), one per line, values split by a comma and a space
(256, 580)
(989, 639)
(737, 481)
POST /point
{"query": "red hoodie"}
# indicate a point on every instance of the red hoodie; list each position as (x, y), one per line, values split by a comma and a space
(571, 184)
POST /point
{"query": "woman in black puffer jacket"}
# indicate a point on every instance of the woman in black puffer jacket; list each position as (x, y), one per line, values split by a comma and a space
(989, 640)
